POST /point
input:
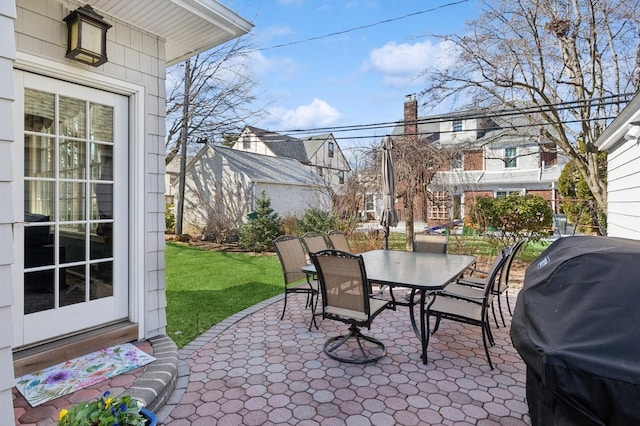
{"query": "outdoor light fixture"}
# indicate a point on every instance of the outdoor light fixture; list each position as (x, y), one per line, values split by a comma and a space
(633, 133)
(87, 36)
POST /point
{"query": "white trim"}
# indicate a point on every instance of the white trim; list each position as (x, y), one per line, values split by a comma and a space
(136, 94)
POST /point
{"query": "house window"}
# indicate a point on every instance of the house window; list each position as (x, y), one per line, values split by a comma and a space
(246, 143)
(500, 194)
(457, 125)
(368, 202)
(439, 207)
(510, 159)
(320, 171)
(69, 146)
(456, 161)
(331, 148)
(341, 177)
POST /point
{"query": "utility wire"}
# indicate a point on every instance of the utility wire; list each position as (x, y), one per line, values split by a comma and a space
(509, 112)
(386, 21)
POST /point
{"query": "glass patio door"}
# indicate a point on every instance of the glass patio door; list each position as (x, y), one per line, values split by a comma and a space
(75, 203)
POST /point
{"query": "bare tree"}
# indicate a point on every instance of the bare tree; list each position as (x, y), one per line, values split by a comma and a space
(568, 61)
(416, 161)
(209, 96)
(219, 100)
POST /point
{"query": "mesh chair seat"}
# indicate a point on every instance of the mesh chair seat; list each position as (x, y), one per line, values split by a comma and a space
(292, 258)
(345, 298)
(474, 310)
(430, 243)
(375, 305)
(339, 241)
(501, 286)
(314, 242)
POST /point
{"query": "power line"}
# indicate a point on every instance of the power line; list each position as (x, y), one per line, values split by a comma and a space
(534, 109)
(385, 21)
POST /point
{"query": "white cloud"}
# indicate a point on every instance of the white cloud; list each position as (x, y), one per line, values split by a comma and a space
(399, 64)
(273, 31)
(317, 114)
(280, 66)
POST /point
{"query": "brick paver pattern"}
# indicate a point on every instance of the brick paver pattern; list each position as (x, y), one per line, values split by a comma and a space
(263, 370)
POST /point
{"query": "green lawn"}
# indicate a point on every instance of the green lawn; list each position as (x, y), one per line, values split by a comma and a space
(205, 287)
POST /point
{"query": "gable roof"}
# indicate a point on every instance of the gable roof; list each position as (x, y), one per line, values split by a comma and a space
(264, 168)
(492, 124)
(282, 145)
(617, 129)
(313, 143)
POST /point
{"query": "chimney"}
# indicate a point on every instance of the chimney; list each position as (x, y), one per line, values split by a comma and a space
(411, 116)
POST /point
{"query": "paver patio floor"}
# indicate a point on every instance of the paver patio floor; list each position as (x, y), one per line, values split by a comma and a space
(256, 369)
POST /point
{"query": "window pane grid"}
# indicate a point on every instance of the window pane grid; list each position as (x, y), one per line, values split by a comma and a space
(68, 201)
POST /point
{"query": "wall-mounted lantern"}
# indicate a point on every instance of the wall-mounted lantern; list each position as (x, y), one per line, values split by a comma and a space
(87, 36)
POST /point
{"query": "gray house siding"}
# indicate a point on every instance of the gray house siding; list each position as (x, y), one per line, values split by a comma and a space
(134, 57)
(33, 41)
(7, 54)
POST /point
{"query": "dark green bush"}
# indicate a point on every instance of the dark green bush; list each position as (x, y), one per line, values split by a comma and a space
(513, 217)
(317, 220)
(263, 227)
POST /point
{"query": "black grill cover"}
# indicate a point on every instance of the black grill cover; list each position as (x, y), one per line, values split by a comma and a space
(576, 325)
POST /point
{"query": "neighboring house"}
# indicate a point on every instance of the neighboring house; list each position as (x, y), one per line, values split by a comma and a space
(487, 157)
(621, 142)
(82, 147)
(222, 184)
(321, 152)
(172, 169)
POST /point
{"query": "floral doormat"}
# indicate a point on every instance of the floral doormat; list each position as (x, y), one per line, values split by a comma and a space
(78, 373)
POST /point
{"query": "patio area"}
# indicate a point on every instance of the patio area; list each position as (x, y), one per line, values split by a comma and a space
(255, 369)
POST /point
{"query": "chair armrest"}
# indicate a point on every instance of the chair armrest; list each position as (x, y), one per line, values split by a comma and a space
(477, 271)
(470, 299)
(471, 282)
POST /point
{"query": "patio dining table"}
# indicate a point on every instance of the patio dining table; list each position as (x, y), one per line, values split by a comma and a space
(422, 273)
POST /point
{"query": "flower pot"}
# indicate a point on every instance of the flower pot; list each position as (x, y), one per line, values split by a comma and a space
(152, 420)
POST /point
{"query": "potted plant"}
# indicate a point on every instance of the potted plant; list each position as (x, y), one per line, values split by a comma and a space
(107, 411)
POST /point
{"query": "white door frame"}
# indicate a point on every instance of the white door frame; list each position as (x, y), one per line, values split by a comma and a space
(136, 156)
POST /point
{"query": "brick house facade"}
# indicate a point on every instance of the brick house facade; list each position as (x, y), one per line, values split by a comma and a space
(490, 159)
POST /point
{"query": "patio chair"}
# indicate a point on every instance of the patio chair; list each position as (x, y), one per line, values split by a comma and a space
(472, 287)
(292, 258)
(430, 243)
(338, 240)
(314, 242)
(345, 298)
(469, 310)
(503, 281)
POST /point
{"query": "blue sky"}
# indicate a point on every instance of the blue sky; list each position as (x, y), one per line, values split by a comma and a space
(357, 77)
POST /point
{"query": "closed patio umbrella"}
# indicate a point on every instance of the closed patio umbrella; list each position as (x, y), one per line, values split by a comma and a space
(389, 217)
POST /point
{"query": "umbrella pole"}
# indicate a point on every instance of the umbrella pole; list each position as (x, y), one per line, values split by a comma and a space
(385, 238)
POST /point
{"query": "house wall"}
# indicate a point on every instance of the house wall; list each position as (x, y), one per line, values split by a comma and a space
(7, 55)
(217, 193)
(136, 62)
(473, 160)
(331, 165)
(255, 144)
(528, 156)
(293, 200)
(623, 176)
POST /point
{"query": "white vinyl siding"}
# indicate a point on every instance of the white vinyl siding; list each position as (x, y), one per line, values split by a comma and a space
(623, 216)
